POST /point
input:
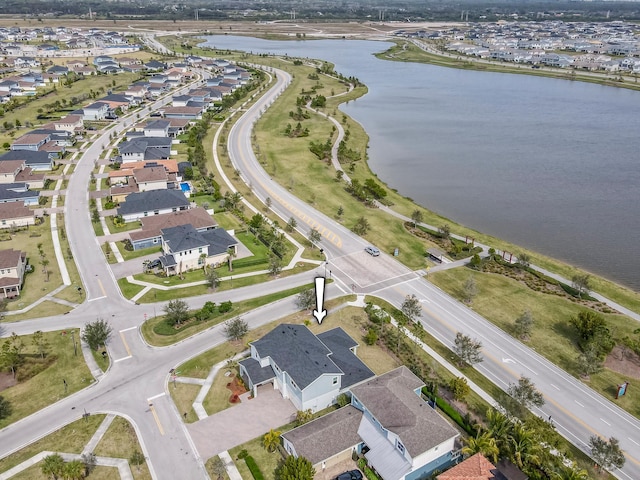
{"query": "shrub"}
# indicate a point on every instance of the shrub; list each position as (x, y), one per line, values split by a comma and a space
(253, 468)
(243, 454)
(225, 306)
(371, 337)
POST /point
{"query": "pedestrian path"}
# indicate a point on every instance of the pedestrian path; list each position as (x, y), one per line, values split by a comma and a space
(121, 464)
(232, 470)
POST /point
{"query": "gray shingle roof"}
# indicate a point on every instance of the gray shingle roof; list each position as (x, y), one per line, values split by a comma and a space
(328, 435)
(256, 373)
(219, 240)
(182, 237)
(29, 156)
(392, 400)
(298, 352)
(340, 344)
(152, 200)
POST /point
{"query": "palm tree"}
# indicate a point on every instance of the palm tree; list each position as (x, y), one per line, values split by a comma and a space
(232, 253)
(482, 443)
(52, 466)
(500, 426)
(571, 473)
(74, 470)
(524, 450)
(271, 440)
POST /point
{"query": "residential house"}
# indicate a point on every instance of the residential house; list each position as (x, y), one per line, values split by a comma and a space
(127, 61)
(401, 436)
(95, 111)
(145, 148)
(155, 66)
(15, 214)
(12, 267)
(116, 101)
(192, 113)
(477, 467)
(125, 172)
(18, 192)
(30, 141)
(150, 233)
(186, 249)
(9, 86)
(309, 370)
(157, 128)
(16, 171)
(137, 92)
(70, 123)
(37, 161)
(58, 70)
(151, 178)
(154, 202)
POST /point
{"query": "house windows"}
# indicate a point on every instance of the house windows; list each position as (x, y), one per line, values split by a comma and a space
(335, 380)
(146, 214)
(156, 212)
(400, 446)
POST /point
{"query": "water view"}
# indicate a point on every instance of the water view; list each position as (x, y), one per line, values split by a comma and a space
(549, 164)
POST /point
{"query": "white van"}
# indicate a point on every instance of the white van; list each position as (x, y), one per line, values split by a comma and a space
(373, 251)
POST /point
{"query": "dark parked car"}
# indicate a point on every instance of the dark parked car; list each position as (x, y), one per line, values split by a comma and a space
(350, 475)
(155, 263)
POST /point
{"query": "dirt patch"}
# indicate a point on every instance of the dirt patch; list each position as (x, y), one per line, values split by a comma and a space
(6, 381)
(236, 385)
(624, 361)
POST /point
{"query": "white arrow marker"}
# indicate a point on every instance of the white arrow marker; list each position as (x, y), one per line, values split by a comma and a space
(320, 312)
(508, 360)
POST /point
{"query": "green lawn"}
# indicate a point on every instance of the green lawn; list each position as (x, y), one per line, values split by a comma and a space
(97, 473)
(150, 327)
(131, 254)
(43, 309)
(120, 441)
(46, 387)
(501, 300)
(183, 395)
(129, 290)
(35, 283)
(70, 439)
(217, 398)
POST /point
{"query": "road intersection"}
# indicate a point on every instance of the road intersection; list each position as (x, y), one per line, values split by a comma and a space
(136, 384)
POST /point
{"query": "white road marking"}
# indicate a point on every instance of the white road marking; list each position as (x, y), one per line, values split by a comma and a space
(97, 298)
(579, 403)
(123, 358)
(605, 421)
(554, 386)
(127, 329)
(156, 396)
(634, 441)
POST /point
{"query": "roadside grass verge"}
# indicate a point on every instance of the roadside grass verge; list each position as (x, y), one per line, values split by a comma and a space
(70, 293)
(129, 290)
(120, 441)
(501, 300)
(102, 360)
(170, 335)
(217, 398)
(183, 395)
(43, 309)
(209, 467)
(44, 385)
(70, 439)
(132, 254)
(98, 472)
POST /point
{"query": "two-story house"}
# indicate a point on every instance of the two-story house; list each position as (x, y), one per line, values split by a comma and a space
(401, 436)
(70, 123)
(309, 370)
(37, 161)
(151, 178)
(186, 248)
(154, 202)
(96, 111)
(15, 214)
(12, 267)
(145, 148)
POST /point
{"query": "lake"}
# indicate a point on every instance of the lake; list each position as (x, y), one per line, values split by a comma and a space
(551, 165)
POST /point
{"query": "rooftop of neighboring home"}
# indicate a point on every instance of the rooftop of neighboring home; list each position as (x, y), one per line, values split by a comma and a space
(152, 200)
(151, 226)
(185, 237)
(150, 174)
(10, 258)
(14, 210)
(392, 400)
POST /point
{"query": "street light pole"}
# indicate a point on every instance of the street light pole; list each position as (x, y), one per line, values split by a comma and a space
(75, 348)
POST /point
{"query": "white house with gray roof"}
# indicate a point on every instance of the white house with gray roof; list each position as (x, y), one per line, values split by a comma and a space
(153, 202)
(309, 370)
(402, 436)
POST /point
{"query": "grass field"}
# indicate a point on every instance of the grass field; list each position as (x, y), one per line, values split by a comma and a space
(97, 473)
(43, 309)
(238, 309)
(501, 300)
(46, 387)
(120, 441)
(217, 398)
(70, 439)
(183, 395)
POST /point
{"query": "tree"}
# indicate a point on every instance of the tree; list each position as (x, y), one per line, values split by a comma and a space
(524, 260)
(291, 225)
(582, 283)
(268, 202)
(40, 342)
(176, 312)
(306, 300)
(445, 231)
(589, 362)
(5, 408)
(218, 467)
(236, 329)
(231, 252)
(45, 263)
(482, 443)
(52, 466)
(570, 473)
(11, 353)
(295, 469)
(303, 416)
(275, 265)
(314, 236)
(524, 392)
(74, 470)
(593, 330)
(340, 211)
(416, 217)
(411, 307)
(89, 460)
(459, 387)
(469, 290)
(137, 459)
(362, 226)
(524, 325)
(96, 333)
(271, 440)
(371, 337)
(607, 454)
(467, 349)
(212, 278)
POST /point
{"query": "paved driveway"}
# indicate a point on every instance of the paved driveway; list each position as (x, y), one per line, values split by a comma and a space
(241, 423)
